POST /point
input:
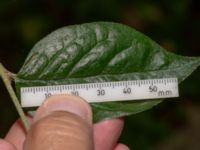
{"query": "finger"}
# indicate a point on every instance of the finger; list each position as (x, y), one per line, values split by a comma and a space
(16, 135)
(107, 133)
(62, 122)
(5, 145)
(121, 147)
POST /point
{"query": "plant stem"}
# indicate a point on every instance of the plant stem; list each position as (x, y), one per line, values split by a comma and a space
(7, 82)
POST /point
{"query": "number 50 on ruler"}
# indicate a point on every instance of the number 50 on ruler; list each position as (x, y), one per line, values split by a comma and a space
(104, 91)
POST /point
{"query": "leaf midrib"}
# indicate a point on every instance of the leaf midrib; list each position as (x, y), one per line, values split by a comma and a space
(125, 74)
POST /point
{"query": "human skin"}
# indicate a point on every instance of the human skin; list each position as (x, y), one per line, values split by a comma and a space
(64, 122)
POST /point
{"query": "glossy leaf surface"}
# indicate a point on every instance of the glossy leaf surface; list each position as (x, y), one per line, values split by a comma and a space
(99, 52)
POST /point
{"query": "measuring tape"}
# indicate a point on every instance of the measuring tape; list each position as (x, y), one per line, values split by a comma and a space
(104, 91)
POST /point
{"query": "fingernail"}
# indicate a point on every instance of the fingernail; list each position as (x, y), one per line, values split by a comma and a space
(68, 103)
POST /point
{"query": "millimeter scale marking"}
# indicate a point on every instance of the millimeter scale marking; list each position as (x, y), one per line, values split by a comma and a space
(104, 91)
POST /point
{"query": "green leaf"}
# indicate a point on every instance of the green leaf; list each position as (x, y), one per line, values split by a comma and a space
(99, 52)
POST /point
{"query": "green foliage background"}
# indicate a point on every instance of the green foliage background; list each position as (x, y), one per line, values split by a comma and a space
(175, 24)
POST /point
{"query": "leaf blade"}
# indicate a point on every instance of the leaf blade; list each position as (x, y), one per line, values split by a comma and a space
(99, 52)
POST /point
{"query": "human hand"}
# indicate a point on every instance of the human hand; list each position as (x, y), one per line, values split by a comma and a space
(64, 122)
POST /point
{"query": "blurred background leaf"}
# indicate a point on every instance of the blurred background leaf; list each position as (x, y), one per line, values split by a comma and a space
(175, 24)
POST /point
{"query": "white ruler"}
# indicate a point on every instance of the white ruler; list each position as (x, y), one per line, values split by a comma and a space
(104, 91)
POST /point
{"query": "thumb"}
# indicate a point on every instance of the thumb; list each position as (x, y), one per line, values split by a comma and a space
(61, 122)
